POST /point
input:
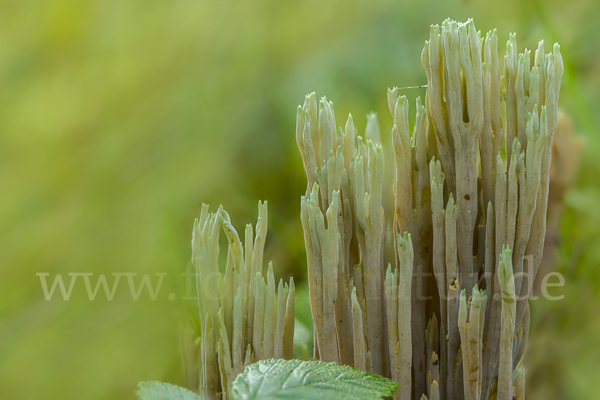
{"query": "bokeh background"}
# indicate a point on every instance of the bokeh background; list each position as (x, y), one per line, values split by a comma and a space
(119, 118)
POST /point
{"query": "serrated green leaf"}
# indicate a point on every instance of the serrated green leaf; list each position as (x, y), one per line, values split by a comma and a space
(164, 391)
(308, 380)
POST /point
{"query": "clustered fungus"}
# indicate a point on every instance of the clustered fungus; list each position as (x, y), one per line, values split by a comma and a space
(446, 316)
(425, 283)
(243, 319)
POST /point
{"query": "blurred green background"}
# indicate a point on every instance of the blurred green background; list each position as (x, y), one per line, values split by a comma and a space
(119, 118)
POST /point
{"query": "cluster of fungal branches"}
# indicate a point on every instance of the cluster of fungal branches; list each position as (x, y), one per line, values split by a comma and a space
(433, 293)
(243, 318)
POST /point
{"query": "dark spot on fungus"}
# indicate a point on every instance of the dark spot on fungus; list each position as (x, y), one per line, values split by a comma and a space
(467, 197)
